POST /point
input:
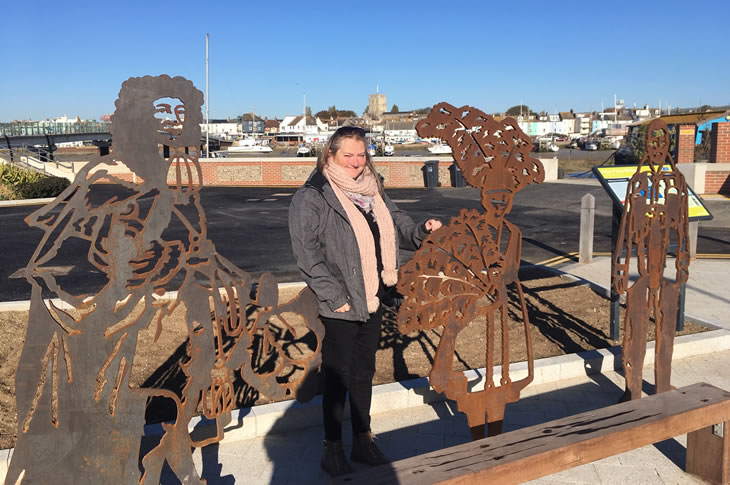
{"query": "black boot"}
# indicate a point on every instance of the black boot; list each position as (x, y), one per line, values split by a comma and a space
(333, 459)
(365, 451)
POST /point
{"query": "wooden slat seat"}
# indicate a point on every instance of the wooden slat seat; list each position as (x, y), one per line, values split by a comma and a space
(548, 448)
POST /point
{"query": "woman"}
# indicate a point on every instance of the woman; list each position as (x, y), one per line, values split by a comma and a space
(345, 234)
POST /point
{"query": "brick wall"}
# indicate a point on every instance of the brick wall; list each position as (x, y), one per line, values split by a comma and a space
(250, 171)
(686, 144)
(720, 143)
(397, 172)
(717, 179)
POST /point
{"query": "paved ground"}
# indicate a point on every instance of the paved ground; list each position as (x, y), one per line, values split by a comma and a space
(293, 457)
(707, 291)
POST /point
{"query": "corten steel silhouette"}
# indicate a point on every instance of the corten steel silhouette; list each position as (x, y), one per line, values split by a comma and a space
(465, 269)
(655, 209)
(79, 419)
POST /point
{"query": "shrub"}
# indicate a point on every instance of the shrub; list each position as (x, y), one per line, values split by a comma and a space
(14, 176)
(6, 193)
(44, 187)
(19, 183)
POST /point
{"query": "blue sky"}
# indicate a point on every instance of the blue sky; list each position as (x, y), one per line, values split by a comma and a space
(71, 57)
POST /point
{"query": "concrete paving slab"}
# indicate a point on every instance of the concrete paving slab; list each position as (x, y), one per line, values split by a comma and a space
(621, 475)
(708, 289)
(584, 474)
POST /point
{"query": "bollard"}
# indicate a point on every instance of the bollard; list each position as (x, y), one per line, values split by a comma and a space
(693, 228)
(587, 213)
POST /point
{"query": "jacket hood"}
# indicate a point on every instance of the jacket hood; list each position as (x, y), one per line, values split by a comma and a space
(317, 180)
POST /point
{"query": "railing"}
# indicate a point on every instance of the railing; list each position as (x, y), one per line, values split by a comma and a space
(30, 128)
(37, 159)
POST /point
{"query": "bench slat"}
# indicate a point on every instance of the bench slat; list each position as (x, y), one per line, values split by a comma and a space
(544, 449)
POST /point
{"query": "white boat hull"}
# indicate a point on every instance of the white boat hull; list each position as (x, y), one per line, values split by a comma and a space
(440, 150)
(249, 149)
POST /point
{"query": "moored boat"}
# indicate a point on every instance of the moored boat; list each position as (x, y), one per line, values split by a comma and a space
(249, 145)
(439, 149)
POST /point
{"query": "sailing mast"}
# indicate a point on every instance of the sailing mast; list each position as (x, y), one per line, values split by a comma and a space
(207, 101)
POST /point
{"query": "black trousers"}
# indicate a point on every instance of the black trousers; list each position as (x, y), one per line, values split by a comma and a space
(348, 364)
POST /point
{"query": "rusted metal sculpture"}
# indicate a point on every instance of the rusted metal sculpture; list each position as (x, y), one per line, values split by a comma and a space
(465, 269)
(655, 210)
(80, 421)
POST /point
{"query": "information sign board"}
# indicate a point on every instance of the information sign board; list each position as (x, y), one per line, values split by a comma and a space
(616, 180)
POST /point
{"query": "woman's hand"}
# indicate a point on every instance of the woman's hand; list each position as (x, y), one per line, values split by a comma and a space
(433, 225)
(344, 308)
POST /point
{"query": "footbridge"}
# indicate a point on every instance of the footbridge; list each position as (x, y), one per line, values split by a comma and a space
(39, 139)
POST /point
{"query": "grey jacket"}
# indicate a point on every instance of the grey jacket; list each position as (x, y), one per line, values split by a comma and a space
(326, 249)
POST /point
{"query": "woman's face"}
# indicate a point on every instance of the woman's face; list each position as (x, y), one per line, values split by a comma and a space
(350, 156)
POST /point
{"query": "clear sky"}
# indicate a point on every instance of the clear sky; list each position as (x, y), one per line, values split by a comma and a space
(71, 57)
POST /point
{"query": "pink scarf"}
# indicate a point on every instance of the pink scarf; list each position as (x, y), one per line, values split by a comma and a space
(366, 185)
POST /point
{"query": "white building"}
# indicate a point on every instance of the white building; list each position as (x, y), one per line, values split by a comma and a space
(646, 112)
(66, 119)
(582, 124)
(311, 129)
(400, 131)
(222, 129)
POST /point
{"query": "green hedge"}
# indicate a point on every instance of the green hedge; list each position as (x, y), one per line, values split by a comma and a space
(19, 183)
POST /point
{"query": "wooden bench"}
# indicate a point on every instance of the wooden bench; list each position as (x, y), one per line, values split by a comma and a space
(541, 450)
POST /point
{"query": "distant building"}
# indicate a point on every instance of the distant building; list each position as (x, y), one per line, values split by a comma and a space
(703, 121)
(302, 128)
(223, 129)
(567, 123)
(271, 127)
(646, 113)
(251, 124)
(401, 131)
(401, 116)
(66, 119)
(377, 105)
(582, 124)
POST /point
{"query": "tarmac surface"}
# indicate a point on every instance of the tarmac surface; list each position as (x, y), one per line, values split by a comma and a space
(281, 443)
(249, 226)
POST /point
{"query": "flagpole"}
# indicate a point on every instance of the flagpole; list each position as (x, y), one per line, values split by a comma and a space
(207, 104)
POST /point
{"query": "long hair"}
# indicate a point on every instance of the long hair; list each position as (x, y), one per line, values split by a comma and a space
(135, 129)
(334, 143)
